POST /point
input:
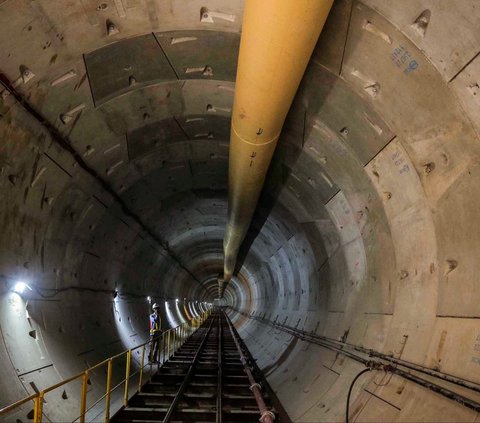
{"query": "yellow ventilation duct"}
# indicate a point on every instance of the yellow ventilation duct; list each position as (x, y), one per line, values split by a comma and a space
(278, 37)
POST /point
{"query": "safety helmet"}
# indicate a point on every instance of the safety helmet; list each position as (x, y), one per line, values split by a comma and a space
(155, 306)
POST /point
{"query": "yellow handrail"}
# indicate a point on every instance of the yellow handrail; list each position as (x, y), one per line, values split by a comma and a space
(127, 377)
(83, 400)
(177, 342)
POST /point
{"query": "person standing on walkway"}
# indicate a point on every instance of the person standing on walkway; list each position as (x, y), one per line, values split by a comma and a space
(155, 334)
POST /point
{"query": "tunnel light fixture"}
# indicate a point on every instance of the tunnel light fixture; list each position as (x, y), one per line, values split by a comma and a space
(149, 299)
(20, 287)
(176, 300)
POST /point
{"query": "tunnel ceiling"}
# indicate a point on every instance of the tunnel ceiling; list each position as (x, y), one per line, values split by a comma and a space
(115, 122)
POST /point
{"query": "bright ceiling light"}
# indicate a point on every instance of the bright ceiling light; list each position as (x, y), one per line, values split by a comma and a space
(20, 287)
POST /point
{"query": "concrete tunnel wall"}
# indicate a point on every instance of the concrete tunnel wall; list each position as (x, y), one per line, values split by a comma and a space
(367, 231)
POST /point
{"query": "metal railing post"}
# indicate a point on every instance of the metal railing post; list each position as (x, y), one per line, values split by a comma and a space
(127, 377)
(158, 356)
(174, 343)
(107, 394)
(83, 399)
(38, 408)
(168, 342)
(162, 348)
(140, 380)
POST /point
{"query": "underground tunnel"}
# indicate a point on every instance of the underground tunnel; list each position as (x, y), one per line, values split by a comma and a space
(115, 126)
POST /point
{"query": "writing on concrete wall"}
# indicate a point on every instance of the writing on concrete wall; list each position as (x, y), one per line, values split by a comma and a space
(402, 59)
(476, 349)
(399, 161)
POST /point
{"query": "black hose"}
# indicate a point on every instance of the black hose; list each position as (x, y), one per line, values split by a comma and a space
(350, 391)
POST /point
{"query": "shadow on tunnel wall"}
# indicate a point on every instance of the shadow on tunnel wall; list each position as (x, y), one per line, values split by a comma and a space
(296, 130)
(307, 108)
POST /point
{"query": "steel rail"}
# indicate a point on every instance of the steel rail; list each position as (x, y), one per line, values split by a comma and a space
(220, 374)
(188, 376)
(266, 416)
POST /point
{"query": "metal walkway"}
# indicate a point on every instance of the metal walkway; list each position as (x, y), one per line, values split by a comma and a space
(209, 379)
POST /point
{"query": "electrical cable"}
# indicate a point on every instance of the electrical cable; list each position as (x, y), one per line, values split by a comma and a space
(311, 337)
(393, 366)
(350, 392)
(57, 291)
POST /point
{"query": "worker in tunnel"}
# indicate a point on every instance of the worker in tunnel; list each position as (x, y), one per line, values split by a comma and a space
(155, 334)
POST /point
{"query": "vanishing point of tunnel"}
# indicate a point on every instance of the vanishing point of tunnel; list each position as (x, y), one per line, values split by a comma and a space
(356, 286)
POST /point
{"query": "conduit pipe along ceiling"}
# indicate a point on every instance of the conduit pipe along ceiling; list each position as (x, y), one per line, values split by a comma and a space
(276, 44)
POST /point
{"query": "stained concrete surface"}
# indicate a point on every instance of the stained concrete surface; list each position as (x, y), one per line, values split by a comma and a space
(367, 231)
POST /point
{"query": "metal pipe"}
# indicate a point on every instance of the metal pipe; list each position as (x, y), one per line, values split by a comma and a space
(309, 337)
(277, 41)
(432, 386)
(266, 416)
